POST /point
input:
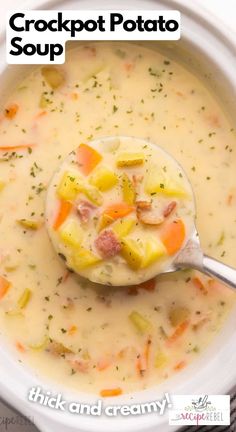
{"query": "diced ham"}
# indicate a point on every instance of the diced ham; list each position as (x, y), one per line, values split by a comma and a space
(85, 210)
(169, 209)
(107, 244)
(147, 215)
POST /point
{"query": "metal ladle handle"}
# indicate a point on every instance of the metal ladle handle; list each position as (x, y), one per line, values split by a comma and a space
(192, 257)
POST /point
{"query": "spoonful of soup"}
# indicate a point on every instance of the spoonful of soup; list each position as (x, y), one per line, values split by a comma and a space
(121, 210)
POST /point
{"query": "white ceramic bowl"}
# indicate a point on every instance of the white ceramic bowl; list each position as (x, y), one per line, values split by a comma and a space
(210, 49)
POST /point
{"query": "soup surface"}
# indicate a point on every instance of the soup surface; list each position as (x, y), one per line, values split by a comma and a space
(97, 338)
(119, 210)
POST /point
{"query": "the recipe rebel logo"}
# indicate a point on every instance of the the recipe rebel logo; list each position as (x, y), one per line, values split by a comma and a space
(200, 410)
(39, 36)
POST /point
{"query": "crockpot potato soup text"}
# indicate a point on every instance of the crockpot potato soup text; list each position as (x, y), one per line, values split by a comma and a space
(110, 222)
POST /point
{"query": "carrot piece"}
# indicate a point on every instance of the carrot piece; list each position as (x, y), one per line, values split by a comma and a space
(17, 147)
(148, 285)
(199, 285)
(40, 114)
(4, 286)
(20, 347)
(119, 210)
(74, 96)
(178, 332)
(11, 111)
(129, 66)
(103, 364)
(87, 158)
(143, 359)
(72, 330)
(64, 210)
(179, 366)
(173, 235)
(111, 392)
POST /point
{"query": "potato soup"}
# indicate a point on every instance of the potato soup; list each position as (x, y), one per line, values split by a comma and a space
(98, 338)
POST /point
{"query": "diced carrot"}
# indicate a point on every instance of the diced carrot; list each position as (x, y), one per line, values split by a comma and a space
(72, 330)
(4, 286)
(65, 276)
(40, 114)
(87, 158)
(64, 210)
(199, 285)
(20, 347)
(11, 111)
(215, 286)
(129, 66)
(119, 210)
(229, 199)
(17, 147)
(139, 365)
(178, 332)
(148, 285)
(80, 365)
(111, 392)
(179, 366)
(103, 364)
(173, 235)
(74, 96)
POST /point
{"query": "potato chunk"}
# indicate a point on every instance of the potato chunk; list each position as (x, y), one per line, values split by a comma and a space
(71, 233)
(53, 76)
(140, 322)
(84, 258)
(154, 249)
(159, 182)
(69, 186)
(128, 190)
(122, 227)
(129, 159)
(178, 315)
(132, 253)
(103, 178)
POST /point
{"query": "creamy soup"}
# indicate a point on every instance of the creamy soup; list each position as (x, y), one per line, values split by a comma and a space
(119, 210)
(90, 337)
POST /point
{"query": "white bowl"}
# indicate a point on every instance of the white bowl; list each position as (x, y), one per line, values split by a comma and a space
(209, 48)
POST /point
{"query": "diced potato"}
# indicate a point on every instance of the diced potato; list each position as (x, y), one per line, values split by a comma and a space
(132, 253)
(160, 359)
(158, 182)
(103, 178)
(129, 159)
(93, 194)
(122, 227)
(43, 102)
(29, 224)
(128, 190)
(71, 233)
(53, 76)
(24, 298)
(178, 315)
(2, 185)
(70, 185)
(104, 221)
(40, 346)
(84, 258)
(154, 249)
(140, 323)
